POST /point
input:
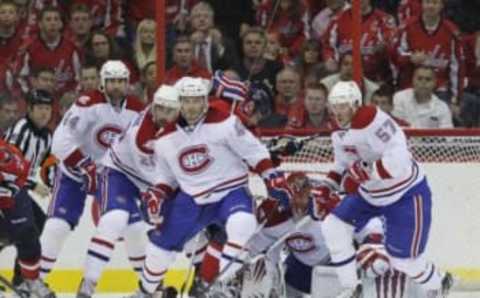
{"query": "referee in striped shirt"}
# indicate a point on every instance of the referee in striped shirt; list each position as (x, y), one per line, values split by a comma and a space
(31, 135)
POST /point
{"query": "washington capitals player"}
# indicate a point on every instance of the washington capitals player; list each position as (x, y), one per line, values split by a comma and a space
(374, 165)
(79, 143)
(128, 166)
(207, 154)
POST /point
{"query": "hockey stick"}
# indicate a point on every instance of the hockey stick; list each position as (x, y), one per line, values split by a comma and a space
(190, 267)
(9, 286)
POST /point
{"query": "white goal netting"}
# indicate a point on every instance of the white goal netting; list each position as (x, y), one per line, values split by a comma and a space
(451, 159)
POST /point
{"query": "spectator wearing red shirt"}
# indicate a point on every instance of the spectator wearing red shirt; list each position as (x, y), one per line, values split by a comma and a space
(408, 9)
(315, 112)
(80, 25)
(51, 50)
(106, 15)
(11, 32)
(377, 30)
(470, 109)
(288, 22)
(433, 41)
(184, 63)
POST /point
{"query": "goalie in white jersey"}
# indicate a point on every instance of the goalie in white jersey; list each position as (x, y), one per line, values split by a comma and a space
(128, 166)
(373, 164)
(206, 154)
(79, 143)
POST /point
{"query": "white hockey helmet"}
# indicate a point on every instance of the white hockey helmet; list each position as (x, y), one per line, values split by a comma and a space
(113, 69)
(189, 86)
(167, 96)
(345, 92)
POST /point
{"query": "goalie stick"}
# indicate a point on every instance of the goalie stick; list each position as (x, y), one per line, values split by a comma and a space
(9, 286)
(273, 246)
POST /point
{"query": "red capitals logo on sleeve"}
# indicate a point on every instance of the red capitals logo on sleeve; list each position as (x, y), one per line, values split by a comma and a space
(107, 134)
(300, 243)
(194, 160)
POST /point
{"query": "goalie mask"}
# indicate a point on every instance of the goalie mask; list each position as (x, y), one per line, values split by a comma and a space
(300, 187)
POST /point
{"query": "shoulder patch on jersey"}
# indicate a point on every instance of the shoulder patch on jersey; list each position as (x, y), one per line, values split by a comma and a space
(215, 115)
(363, 117)
(90, 99)
(134, 104)
(146, 132)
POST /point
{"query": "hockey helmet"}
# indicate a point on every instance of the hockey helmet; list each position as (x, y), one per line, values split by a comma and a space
(113, 69)
(167, 96)
(193, 87)
(345, 92)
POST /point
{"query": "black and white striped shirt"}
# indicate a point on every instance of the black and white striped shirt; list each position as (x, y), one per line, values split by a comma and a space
(34, 143)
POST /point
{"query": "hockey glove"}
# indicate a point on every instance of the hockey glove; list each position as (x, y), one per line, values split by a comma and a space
(278, 189)
(88, 170)
(322, 201)
(357, 174)
(153, 200)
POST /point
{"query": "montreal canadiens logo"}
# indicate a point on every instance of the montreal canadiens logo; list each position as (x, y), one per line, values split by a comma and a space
(300, 243)
(107, 134)
(194, 159)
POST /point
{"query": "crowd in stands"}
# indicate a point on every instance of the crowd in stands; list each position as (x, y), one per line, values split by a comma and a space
(421, 58)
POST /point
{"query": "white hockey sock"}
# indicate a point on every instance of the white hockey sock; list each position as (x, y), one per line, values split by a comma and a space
(54, 234)
(339, 240)
(102, 244)
(157, 261)
(135, 237)
(240, 227)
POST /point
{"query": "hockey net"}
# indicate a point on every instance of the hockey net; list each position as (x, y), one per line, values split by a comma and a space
(451, 159)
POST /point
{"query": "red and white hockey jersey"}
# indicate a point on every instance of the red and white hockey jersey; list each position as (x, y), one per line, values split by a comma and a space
(377, 29)
(91, 125)
(132, 153)
(209, 160)
(375, 138)
(443, 48)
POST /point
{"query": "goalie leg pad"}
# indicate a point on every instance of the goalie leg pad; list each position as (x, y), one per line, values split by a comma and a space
(420, 271)
(298, 275)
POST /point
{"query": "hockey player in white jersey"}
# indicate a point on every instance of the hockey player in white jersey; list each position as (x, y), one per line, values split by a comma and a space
(79, 143)
(373, 164)
(128, 166)
(206, 154)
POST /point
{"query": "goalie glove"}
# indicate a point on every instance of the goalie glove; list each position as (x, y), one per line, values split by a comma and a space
(277, 188)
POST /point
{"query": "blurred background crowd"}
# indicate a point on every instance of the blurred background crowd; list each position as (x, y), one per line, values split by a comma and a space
(421, 58)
